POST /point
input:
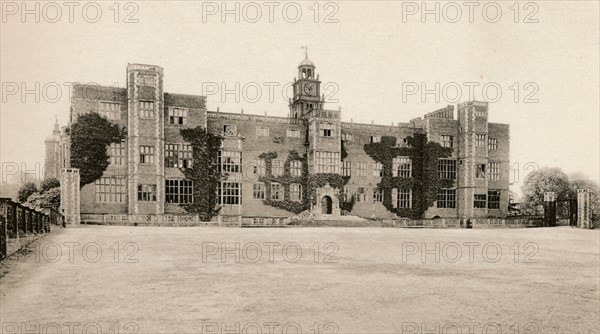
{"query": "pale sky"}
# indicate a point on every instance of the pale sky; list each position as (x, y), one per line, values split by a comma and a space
(368, 55)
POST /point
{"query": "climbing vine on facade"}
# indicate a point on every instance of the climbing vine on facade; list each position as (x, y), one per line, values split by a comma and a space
(91, 135)
(204, 172)
(285, 180)
(309, 183)
(424, 180)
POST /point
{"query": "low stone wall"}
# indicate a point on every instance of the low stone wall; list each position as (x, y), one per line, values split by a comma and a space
(429, 223)
(487, 223)
(265, 221)
(144, 220)
(239, 221)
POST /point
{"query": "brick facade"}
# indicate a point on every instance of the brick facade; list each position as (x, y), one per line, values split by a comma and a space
(145, 177)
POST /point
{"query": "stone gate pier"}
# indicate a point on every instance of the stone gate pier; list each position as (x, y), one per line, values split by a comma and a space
(584, 209)
(69, 196)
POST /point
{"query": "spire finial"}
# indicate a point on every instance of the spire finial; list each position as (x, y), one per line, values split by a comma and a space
(305, 47)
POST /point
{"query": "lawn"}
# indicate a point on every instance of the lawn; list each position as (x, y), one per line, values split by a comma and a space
(313, 280)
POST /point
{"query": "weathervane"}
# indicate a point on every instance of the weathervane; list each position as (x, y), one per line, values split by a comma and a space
(305, 47)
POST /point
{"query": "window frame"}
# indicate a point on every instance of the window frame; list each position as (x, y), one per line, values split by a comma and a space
(149, 155)
(179, 155)
(480, 139)
(296, 168)
(377, 195)
(494, 169)
(447, 169)
(147, 113)
(361, 194)
(480, 171)
(493, 199)
(447, 141)
(295, 192)
(259, 167)
(361, 168)
(404, 196)
(143, 80)
(276, 192)
(291, 133)
(230, 193)
(110, 189)
(347, 136)
(480, 201)
(226, 161)
(146, 192)
(277, 167)
(446, 198)
(117, 153)
(262, 131)
(179, 191)
(110, 114)
(259, 190)
(377, 169)
(182, 115)
(399, 166)
(492, 144)
(346, 167)
(327, 161)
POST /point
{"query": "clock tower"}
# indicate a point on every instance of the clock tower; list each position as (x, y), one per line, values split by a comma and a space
(306, 90)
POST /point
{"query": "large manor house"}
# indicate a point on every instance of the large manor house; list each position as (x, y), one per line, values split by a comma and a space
(145, 173)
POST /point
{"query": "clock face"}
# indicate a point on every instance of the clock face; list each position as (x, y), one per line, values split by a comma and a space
(310, 89)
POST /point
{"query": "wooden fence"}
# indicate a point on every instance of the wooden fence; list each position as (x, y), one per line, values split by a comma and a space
(20, 223)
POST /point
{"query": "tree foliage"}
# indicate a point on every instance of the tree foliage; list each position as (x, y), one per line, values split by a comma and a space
(204, 172)
(545, 180)
(26, 190)
(48, 184)
(48, 199)
(91, 135)
(580, 181)
(553, 179)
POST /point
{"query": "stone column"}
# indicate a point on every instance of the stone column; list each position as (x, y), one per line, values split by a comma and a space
(584, 210)
(69, 196)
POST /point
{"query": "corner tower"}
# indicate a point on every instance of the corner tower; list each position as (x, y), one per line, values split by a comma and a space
(146, 140)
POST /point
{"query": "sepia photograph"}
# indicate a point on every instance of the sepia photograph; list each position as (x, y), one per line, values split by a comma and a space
(289, 167)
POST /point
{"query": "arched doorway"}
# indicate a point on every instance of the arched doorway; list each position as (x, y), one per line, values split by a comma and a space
(326, 204)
